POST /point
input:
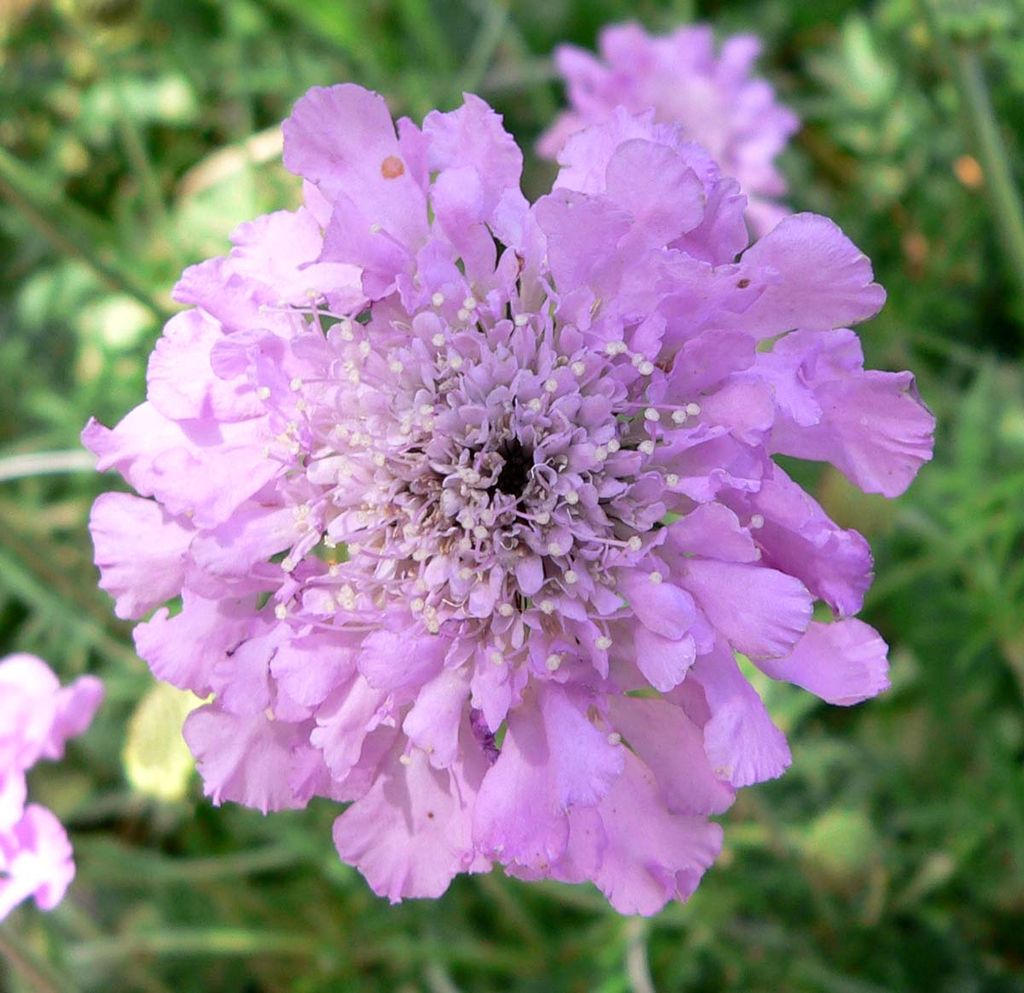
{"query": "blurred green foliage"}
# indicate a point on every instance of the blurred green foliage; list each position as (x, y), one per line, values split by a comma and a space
(134, 134)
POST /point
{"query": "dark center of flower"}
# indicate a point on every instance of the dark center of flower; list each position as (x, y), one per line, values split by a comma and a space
(514, 473)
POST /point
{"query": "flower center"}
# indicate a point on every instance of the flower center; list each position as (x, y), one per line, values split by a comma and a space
(514, 473)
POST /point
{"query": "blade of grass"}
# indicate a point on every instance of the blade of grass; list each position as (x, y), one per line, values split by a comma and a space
(69, 230)
(45, 464)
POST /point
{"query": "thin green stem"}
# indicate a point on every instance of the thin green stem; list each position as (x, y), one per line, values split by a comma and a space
(1007, 209)
(45, 464)
(494, 18)
(638, 970)
(177, 942)
(39, 977)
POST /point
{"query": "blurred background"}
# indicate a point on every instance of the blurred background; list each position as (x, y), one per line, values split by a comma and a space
(135, 134)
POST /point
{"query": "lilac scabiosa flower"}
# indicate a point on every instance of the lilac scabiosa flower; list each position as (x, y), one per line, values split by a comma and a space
(37, 716)
(470, 502)
(679, 76)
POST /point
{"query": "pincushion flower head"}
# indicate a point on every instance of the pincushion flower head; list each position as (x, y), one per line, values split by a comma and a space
(37, 717)
(470, 502)
(712, 95)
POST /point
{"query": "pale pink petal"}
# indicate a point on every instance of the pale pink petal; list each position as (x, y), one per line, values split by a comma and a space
(843, 663)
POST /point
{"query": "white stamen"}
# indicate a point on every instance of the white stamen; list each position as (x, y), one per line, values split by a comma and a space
(757, 521)
(572, 498)
(603, 643)
(672, 479)
(613, 445)
(437, 299)
(405, 759)
(547, 606)
(280, 611)
(438, 340)
(551, 385)
(693, 409)
(571, 576)
(263, 393)
(506, 610)
(634, 544)
(656, 577)
(521, 320)
(647, 447)
(296, 384)
(615, 738)
(645, 368)
(651, 414)
(578, 368)
(678, 416)
(553, 662)
(469, 303)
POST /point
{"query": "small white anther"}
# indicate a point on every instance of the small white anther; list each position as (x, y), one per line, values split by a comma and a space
(405, 759)
(551, 385)
(552, 662)
(280, 611)
(364, 348)
(614, 445)
(395, 365)
(678, 416)
(547, 606)
(693, 409)
(542, 517)
(438, 340)
(462, 314)
(506, 609)
(437, 299)
(263, 392)
(426, 409)
(615, 738)
(578, 368)
(600, 453)
(417, 604)
(634, 544)
(535, 405)
(571, 576)
(296, 384)
(572, 498)
(465, 573)
(375, 228)
(645, 368)
(379, 460)
(656, 577)
(757, 521)
(496, 657)
(521, 320)
(650, 414)
(672, 479)
(469, 303)
(455, 361)
(647, 447)
(603, 643)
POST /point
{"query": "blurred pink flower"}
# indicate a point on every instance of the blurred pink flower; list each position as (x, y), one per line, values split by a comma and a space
(37, 717)
(679, 76)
